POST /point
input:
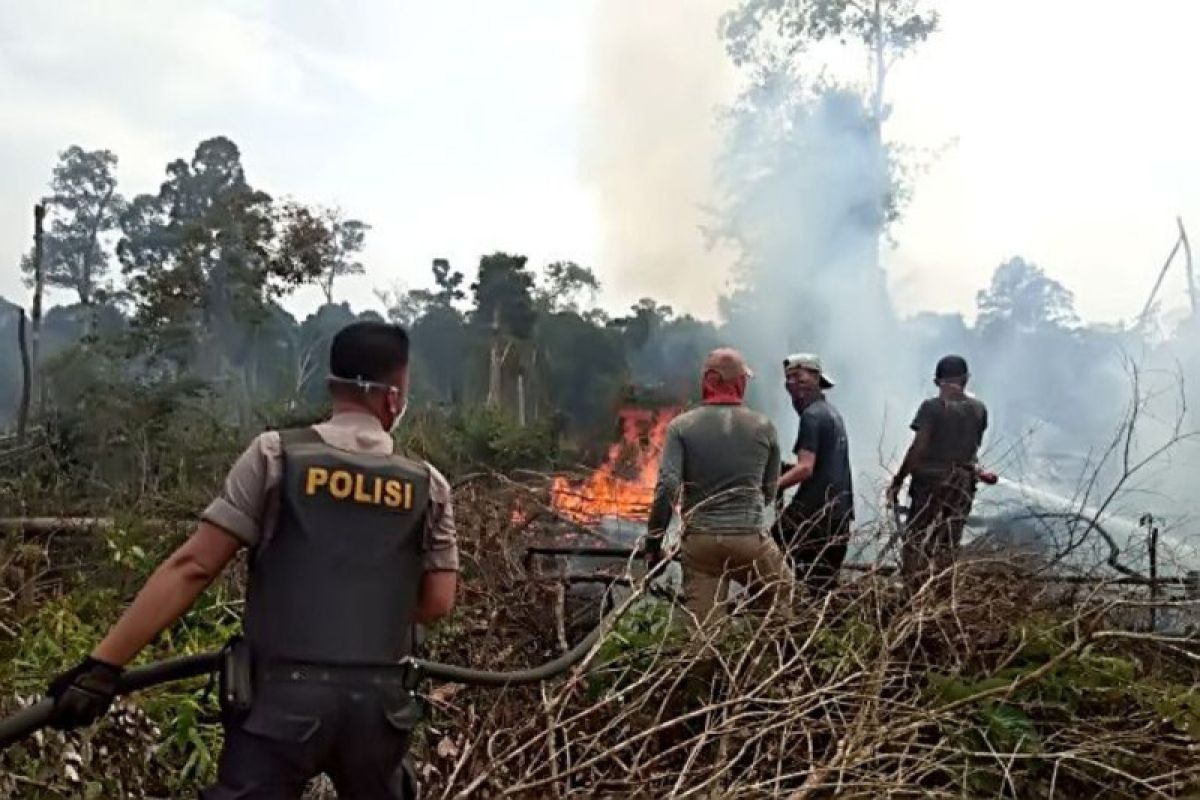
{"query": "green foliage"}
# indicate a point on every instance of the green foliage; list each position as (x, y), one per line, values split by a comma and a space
(1022, 298)
(171, 725)
(831, 644)
(207, 252)
(504, 295)
(84, 205)
(1011, 711)
(116, 439)
(583, 368)
(634, 645)
(478, 438)
(564, 284)
(440, 337)
(1180, 705)
(207, 257)
(758, 27)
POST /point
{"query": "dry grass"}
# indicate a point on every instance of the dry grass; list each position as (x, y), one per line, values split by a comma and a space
(976, 685)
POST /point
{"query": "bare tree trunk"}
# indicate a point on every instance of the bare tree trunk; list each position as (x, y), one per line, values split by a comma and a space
(495, 359)
(39, 214)
(26, 378)
(91, 256)
(1144, 317)
(532, 387)
(877, 110)
(1187, 263)
(880, 69)
(521, 399)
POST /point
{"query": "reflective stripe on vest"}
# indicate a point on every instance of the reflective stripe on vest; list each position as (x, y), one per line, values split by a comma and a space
(339, 580)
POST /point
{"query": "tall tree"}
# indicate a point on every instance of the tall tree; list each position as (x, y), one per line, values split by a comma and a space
(765, 33)
(440, 335)
(346, 239)
(809, 183)
(647, 317)
(504, 307)
(439, 331)
(448, 291)
(205, 258)
(84, 205)
(1022, 298)
(564, 285)
(504, 295)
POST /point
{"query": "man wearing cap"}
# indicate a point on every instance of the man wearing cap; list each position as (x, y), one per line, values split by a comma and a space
(720, 461)
(948, 430)
(351, 545)
(815, 526)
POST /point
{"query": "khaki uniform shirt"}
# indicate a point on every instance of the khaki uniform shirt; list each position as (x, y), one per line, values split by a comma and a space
(248, 504)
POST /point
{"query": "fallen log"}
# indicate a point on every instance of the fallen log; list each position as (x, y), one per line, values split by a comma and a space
(46, 525)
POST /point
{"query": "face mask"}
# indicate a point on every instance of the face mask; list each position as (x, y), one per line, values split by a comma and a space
(366, 385)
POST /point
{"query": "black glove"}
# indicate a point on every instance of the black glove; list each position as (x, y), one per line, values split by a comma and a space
(83, 694)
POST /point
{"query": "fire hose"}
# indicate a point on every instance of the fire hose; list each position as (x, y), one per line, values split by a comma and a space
(29, 720)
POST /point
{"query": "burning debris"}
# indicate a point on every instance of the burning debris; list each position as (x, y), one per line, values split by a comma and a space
(622, 487)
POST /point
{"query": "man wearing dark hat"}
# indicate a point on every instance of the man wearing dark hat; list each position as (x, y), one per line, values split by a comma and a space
(942, 462)
(815, 526)
(720, 462)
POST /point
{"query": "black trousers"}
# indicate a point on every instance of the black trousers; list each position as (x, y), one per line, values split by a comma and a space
(938, 510)
(815, 543)
(296, 731)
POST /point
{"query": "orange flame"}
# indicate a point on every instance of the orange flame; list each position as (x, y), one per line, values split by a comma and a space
(623, 486)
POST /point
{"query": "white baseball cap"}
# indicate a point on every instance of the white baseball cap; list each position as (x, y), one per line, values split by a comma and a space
(808, 361)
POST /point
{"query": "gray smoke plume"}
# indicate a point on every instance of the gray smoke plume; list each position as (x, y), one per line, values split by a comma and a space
(658, 74)
(799, 184)
(804, 183)
(770, 207)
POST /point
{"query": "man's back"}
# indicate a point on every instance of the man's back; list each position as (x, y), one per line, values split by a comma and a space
(955, 428)
(726, 459)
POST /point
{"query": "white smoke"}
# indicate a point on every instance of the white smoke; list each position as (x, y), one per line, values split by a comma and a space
(796, 181)
(658, 76)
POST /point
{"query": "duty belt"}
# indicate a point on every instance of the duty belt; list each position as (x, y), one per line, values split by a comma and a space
(398, 675)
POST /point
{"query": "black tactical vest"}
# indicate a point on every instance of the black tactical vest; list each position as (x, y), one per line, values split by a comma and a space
(337, 581)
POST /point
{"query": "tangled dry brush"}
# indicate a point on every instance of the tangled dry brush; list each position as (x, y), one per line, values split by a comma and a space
(982, 684)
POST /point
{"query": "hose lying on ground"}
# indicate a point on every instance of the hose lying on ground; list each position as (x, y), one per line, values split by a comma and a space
(29, 720)
(516, 677)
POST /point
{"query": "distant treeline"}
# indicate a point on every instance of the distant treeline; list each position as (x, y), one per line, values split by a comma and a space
(179, 295)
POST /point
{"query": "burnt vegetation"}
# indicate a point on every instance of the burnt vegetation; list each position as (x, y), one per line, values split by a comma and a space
(174, 343)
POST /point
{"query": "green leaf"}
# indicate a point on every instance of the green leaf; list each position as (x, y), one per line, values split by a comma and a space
(1009, 728)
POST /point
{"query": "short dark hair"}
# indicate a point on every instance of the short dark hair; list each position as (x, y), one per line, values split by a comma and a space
(368, 351)
(951, 368)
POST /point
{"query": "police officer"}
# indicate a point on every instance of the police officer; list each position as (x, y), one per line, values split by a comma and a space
(350, 545)
(815, 526)
(947, 432)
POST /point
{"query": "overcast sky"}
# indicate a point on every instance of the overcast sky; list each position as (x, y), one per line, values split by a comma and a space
(583, 130)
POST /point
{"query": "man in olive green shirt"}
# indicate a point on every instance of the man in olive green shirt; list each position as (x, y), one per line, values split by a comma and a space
(947, 433)
(720, 461)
